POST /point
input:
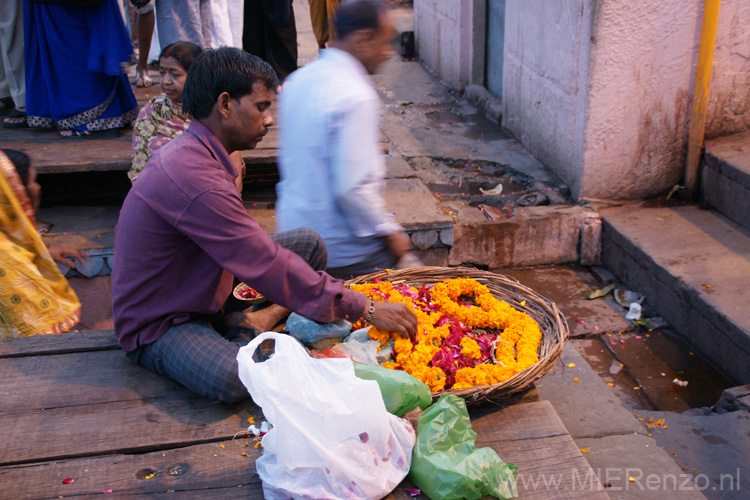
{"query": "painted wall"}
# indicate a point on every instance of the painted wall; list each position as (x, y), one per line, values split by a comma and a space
(729, 96)
(641, 67)
(450, 39)
(637, 75)
(545, 81)
(599, 90)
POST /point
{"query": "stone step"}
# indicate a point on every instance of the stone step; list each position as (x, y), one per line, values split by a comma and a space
(725, 183)
(694, 267)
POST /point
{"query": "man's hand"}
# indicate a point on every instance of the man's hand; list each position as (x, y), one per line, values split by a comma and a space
(60, 253)
(398, 243)
(392, 317)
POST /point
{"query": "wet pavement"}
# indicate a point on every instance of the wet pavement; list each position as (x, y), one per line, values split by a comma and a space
(613, 388)
(639, 363)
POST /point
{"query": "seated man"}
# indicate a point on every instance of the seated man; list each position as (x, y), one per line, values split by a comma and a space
(331, 163)
(184, 233)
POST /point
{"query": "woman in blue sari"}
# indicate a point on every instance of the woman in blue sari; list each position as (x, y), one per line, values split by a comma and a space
(75, 60)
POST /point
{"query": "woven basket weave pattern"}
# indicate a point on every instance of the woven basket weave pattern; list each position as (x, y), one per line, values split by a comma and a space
(551, 322)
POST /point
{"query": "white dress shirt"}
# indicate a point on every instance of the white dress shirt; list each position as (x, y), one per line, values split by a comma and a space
(331, 164)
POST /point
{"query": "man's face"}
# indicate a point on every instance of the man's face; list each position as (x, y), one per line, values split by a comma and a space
(251, 117)
(380, 46)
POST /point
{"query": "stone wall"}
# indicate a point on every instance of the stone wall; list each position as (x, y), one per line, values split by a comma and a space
(599, 90)
(637, 76)
(450, 39)
(729, 95)
(545, 81)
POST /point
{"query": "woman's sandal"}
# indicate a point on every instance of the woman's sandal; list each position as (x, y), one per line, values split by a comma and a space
(86, 134)
(18, 117)
(142, 80)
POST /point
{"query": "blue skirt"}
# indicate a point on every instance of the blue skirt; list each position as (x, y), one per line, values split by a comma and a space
(74, 59)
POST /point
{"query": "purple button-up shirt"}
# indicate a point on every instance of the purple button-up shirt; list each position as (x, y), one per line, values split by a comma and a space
(182, 235)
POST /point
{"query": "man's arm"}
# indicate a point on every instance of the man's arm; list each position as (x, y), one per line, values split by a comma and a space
(357, 170)
(218, 223)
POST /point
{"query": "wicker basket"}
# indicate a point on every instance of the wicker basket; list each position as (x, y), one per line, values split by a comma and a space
(551, 322)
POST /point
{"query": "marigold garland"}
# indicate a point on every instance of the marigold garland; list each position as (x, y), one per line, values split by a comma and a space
(448, 353)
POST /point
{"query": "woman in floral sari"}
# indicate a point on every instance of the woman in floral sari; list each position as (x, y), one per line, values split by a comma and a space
(35, 298)
(162, 119)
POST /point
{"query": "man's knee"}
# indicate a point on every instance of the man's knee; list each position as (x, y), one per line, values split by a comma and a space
(317, 255)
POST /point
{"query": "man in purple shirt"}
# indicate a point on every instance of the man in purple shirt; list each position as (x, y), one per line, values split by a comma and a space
(184, 234)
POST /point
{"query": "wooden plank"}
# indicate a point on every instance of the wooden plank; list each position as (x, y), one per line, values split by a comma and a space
(550, 464)
(530, 435)
(90, 340)
(198, 471)
(121, 427)
(58, 381)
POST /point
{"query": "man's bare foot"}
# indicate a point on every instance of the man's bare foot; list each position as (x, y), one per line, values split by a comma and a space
(263, 320)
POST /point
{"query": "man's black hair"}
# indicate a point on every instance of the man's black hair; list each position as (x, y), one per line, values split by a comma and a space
(355, 15)
(22, 163)
(182, 52)
(226, 69)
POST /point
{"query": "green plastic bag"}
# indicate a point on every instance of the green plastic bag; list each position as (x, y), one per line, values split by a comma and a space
(446, 465)
(401, 392)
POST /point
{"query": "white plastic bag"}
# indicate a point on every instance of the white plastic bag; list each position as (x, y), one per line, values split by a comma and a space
(332, 436)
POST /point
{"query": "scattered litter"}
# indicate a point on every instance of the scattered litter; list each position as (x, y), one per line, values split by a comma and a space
(534, 199)
(634, 313)
(655, 424)
(627, 297)
(599, 292)
(584, 450)
(681, 383)
(571, 365)
(576, 380)
(672, 191)
(108, 490)
(615, 368)
(253, 430)
(413, 492)
(494, 191)
(490, 212)
(68, 480)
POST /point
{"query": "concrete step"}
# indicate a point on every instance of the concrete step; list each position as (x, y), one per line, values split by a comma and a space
(725, 183)
(694, 267)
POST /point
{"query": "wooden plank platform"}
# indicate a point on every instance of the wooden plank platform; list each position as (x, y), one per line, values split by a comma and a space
(75, 407)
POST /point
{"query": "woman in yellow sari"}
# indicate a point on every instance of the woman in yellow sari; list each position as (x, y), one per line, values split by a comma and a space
(35, 298)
